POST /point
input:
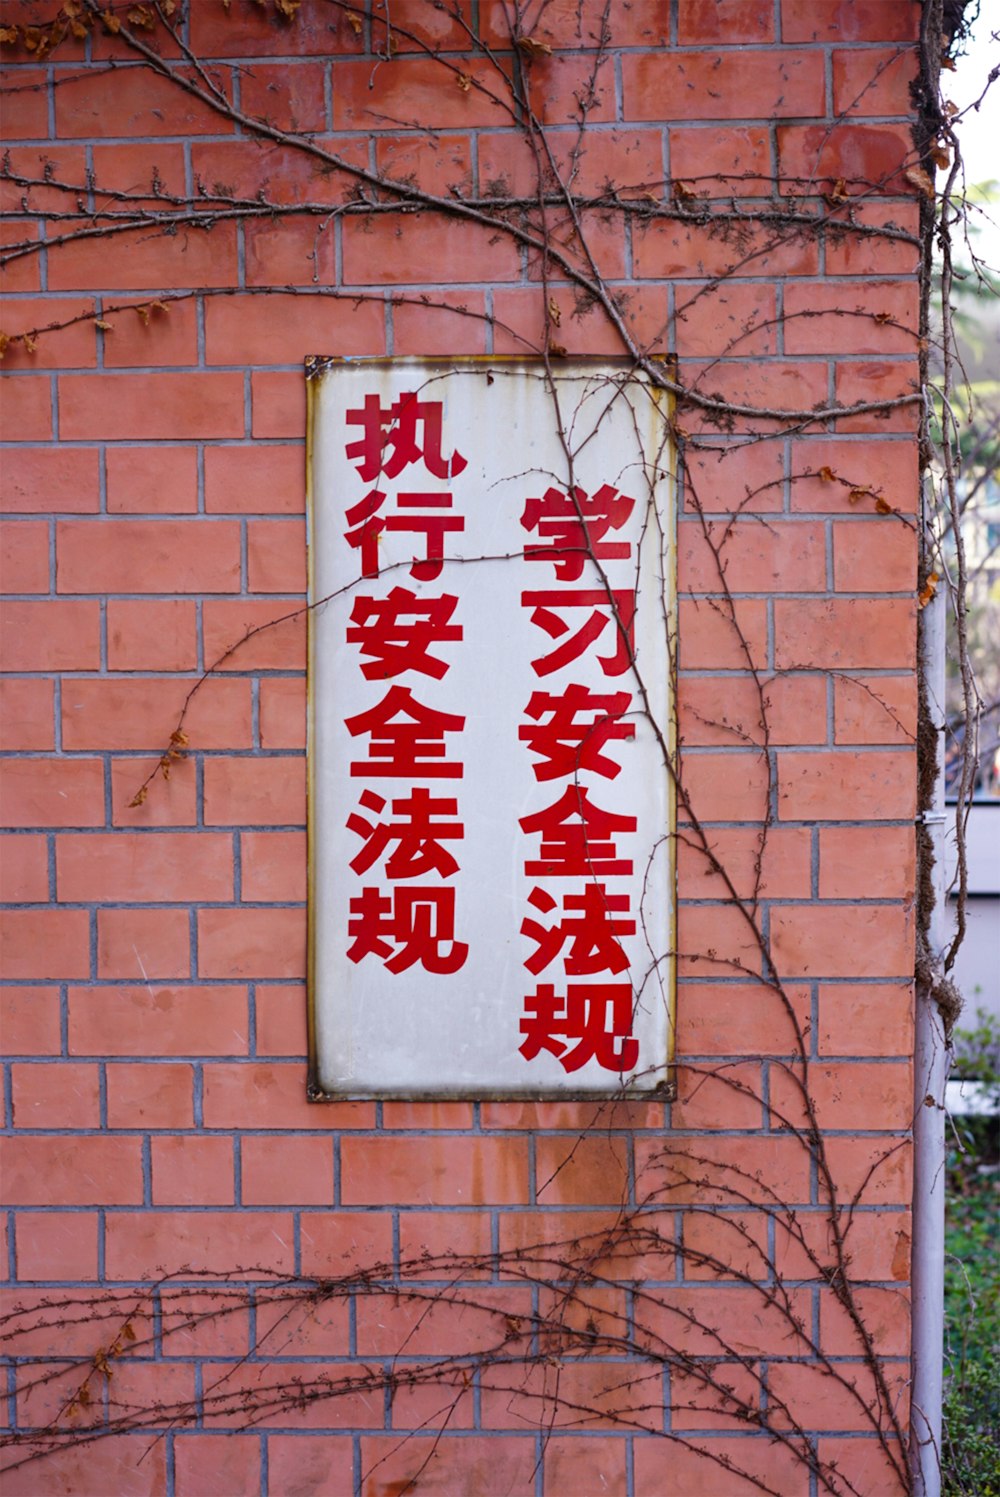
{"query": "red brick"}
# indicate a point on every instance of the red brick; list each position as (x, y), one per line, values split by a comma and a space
(151, 405)
(860, 862)
(157, 1021)
(881, 709)
(845, 317)
(27, 116)
(164, 333)
(740, 1019)
(153, 1243)
(139, 713)
(615, 1113)
(54, 635)
(24, 869)
(279, 405)
(292, 98)
(751, 556)
(254, 479)
(61, 1095)
(850, 20)
(582, 1390)
(155, 636)
(744, 84)
(56, 1245)
(24, 273)
(274, 866)
(840, 634)
(68, 165)
(889, 565)
(281, 1019)
(156, 556)
(29, 1021)
(24, 556)
(714, 635)
(143, 104)
(640, 1248)
(213, 33)
(443, 1237)
(725, 787)
(49, 479)
(192, 1171)
(569, 1464)
(580, 23)
(150, 1096)
(866, 158)
(729, 1097)
(290, 252)
(733, 711)
(870, 1097)
(255, 791)
(869, 381)
(267, 635)
(443, 1171)
(265, 1095)
(146, 262)
(722, 160)
(885, 1314)
(236, 333)
(144, 944)
(73, 346)
(469, 1464)
(850, 251)
(876, 1244)
(209, 1322)
(94, 1172)
(44, 944)
(705, 1171)
(163, 867)
(27, 409)
(152, 480)
(216, 1465)
(842, 940)
(283, 712)
(581, 1171)
(123, 1464)
(874, 81)
(319, 1465)
(26, 714)
(623, 161)
(415, 88)
(862, 1465)
(725, 22)
(670, 249)
(859, 1020)
(338, 1243)
(373, 258)
(759, 386)
(836, 1397)
(715, 941)
(723, 1245)
(521, 321)
(278, 1171)
(722, 1396)
(252, 943)
(170, 802)
(709, 1320)
(875, 1171)
(276, 556)
(134, 166)
(724, 320)
(846, 784)
(427, 1324)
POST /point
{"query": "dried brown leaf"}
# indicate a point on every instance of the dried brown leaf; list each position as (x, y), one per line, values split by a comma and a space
(105, 327)
(355, 22)
(8, 34)
(464, 82)
(139, 797)
(555, 312)
(110, 22)
(918, 178)
(826, 473)
(532, 48)
(929, 590)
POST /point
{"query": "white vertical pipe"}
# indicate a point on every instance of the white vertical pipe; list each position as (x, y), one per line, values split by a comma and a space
(930, 1075)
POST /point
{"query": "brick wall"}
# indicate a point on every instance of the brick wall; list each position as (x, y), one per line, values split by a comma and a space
(154, 956)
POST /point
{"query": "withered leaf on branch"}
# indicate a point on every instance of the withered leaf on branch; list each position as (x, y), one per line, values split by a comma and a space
(110, 22)
(918, 178)
(354, 21)
(929, 590)
(532, 48)
(464, 82)
(826, 473)
(883, 507)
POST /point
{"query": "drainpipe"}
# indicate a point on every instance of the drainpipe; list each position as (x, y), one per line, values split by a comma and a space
(931, 1064)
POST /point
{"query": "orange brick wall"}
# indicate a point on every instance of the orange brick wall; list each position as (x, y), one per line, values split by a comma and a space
(153, 958)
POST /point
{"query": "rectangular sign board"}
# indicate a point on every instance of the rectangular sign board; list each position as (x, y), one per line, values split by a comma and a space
(491, 851)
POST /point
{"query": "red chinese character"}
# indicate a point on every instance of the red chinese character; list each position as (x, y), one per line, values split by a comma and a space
(574, 526)
(369, 525)
(397, 631)
(618, 609)
(588, 925)
(403, 419)
(433, 528)
(569, 746)
(551, 1021)
(577, 838)
(420, 922)
(405, 748)
(418, 835)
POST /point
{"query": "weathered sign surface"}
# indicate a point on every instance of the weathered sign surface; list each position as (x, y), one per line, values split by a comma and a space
(491, 860)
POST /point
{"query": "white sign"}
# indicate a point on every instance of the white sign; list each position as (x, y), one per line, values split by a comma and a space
(491, 555)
